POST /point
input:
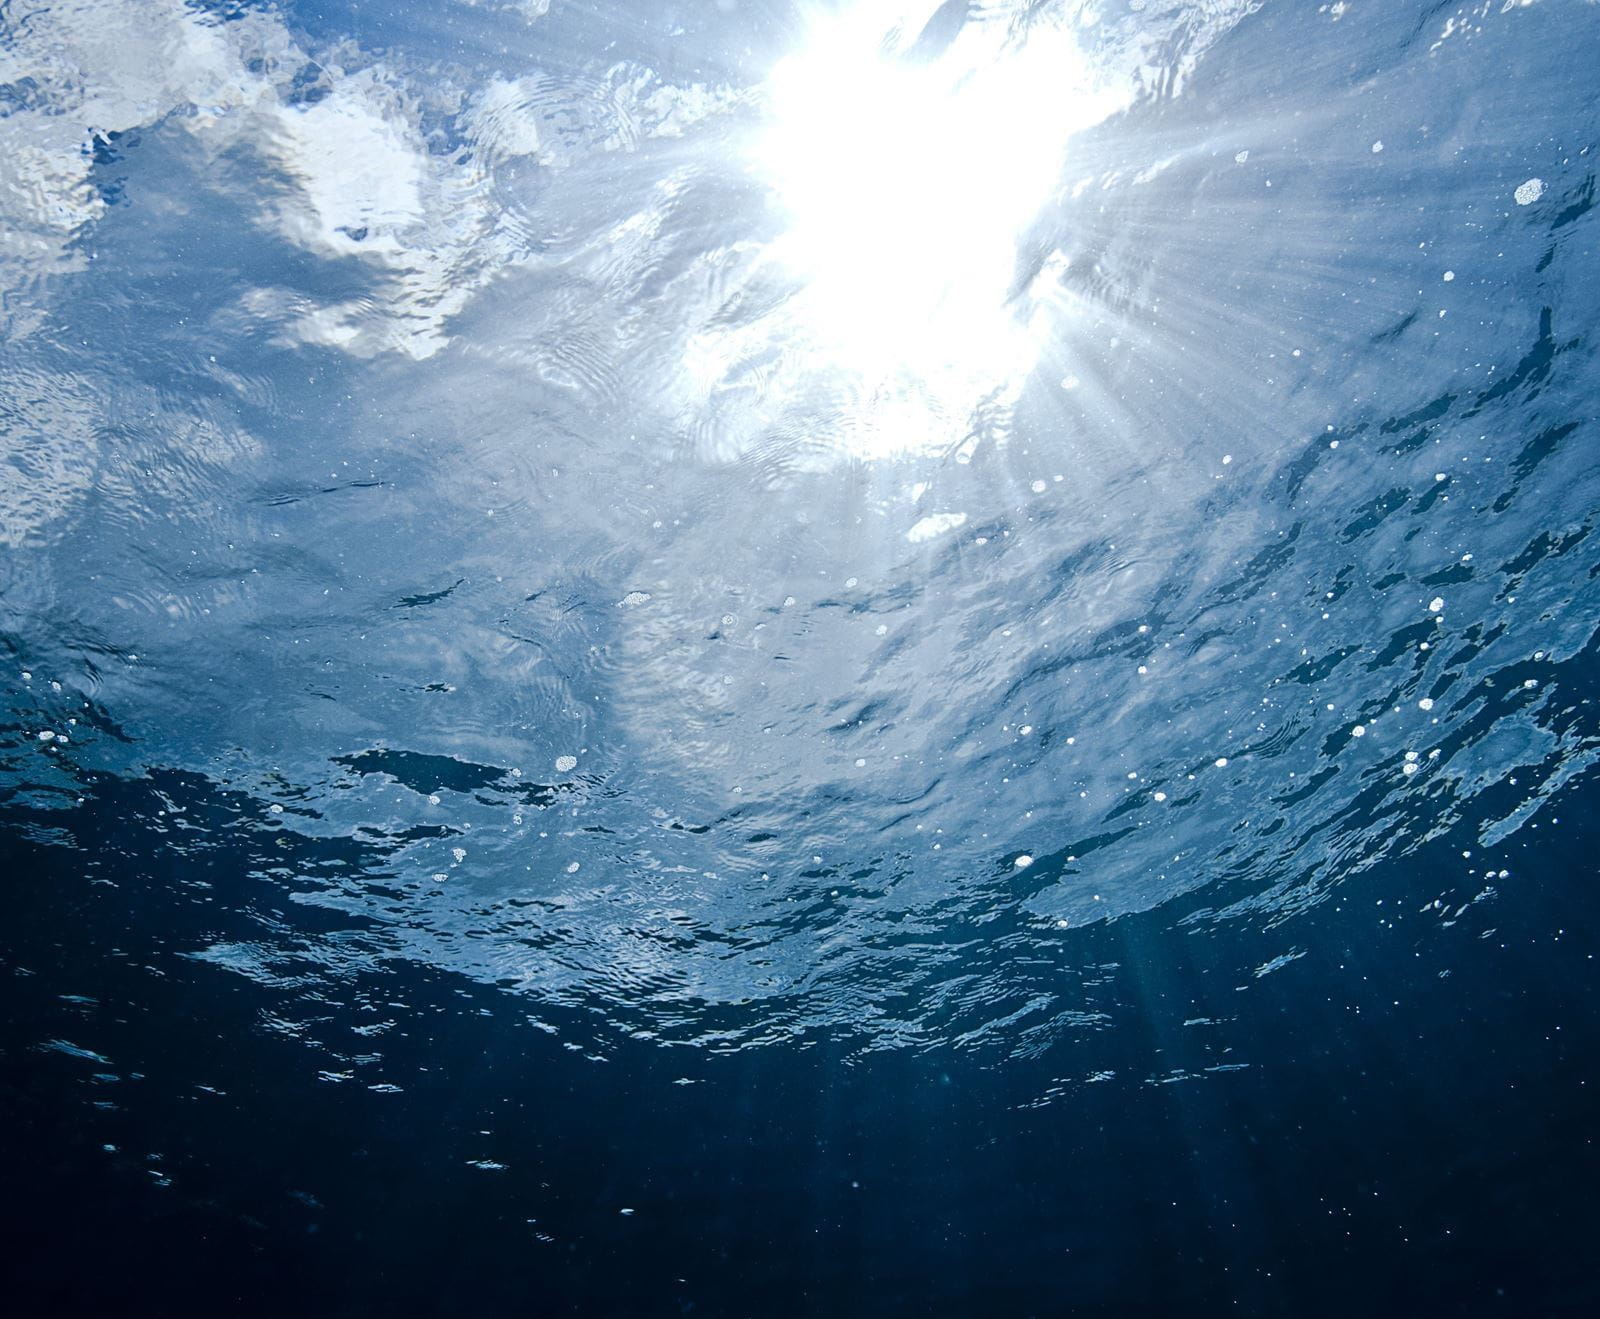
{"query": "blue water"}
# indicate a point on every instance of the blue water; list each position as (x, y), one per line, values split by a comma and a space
(755, 658)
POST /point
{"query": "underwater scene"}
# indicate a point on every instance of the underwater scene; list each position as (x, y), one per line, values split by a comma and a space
(763, 658)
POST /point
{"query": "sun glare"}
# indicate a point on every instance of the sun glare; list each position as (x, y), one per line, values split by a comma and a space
(907, 179)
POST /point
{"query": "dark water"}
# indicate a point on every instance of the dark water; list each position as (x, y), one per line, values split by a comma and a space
(751, 659)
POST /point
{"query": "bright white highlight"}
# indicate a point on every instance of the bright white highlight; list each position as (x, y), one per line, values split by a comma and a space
(908, 180)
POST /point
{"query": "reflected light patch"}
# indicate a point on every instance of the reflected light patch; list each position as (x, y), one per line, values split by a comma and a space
(907, 182)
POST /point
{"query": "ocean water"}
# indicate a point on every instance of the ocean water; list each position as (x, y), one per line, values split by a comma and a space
(753, 658)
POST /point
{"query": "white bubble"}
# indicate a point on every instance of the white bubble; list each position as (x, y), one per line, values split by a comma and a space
(564, 763)
(1529, 192)
(1449, 275)
(1241, 157)
(1038, 487)
(1426, 703)
(1358, 731)
(634, 599)
(1377, 147)
(1161, 796)
(1436, 605)
(1222, 762)
(572, 868)
(1023, 861)
(1025, 729)
(1408, 768)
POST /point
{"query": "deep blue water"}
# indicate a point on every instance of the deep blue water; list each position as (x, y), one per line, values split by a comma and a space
(760, 659)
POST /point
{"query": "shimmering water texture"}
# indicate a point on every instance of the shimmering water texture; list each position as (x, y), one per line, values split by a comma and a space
(767, 526)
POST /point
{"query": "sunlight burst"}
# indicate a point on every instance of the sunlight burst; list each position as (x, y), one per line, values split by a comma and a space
(907, 177)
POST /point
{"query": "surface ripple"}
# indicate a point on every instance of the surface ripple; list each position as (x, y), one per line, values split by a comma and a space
(491, 562)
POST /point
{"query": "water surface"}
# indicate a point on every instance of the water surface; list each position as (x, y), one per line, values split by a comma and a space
(944, 649)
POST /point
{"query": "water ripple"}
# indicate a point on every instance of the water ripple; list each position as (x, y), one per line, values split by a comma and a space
(486, 563)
